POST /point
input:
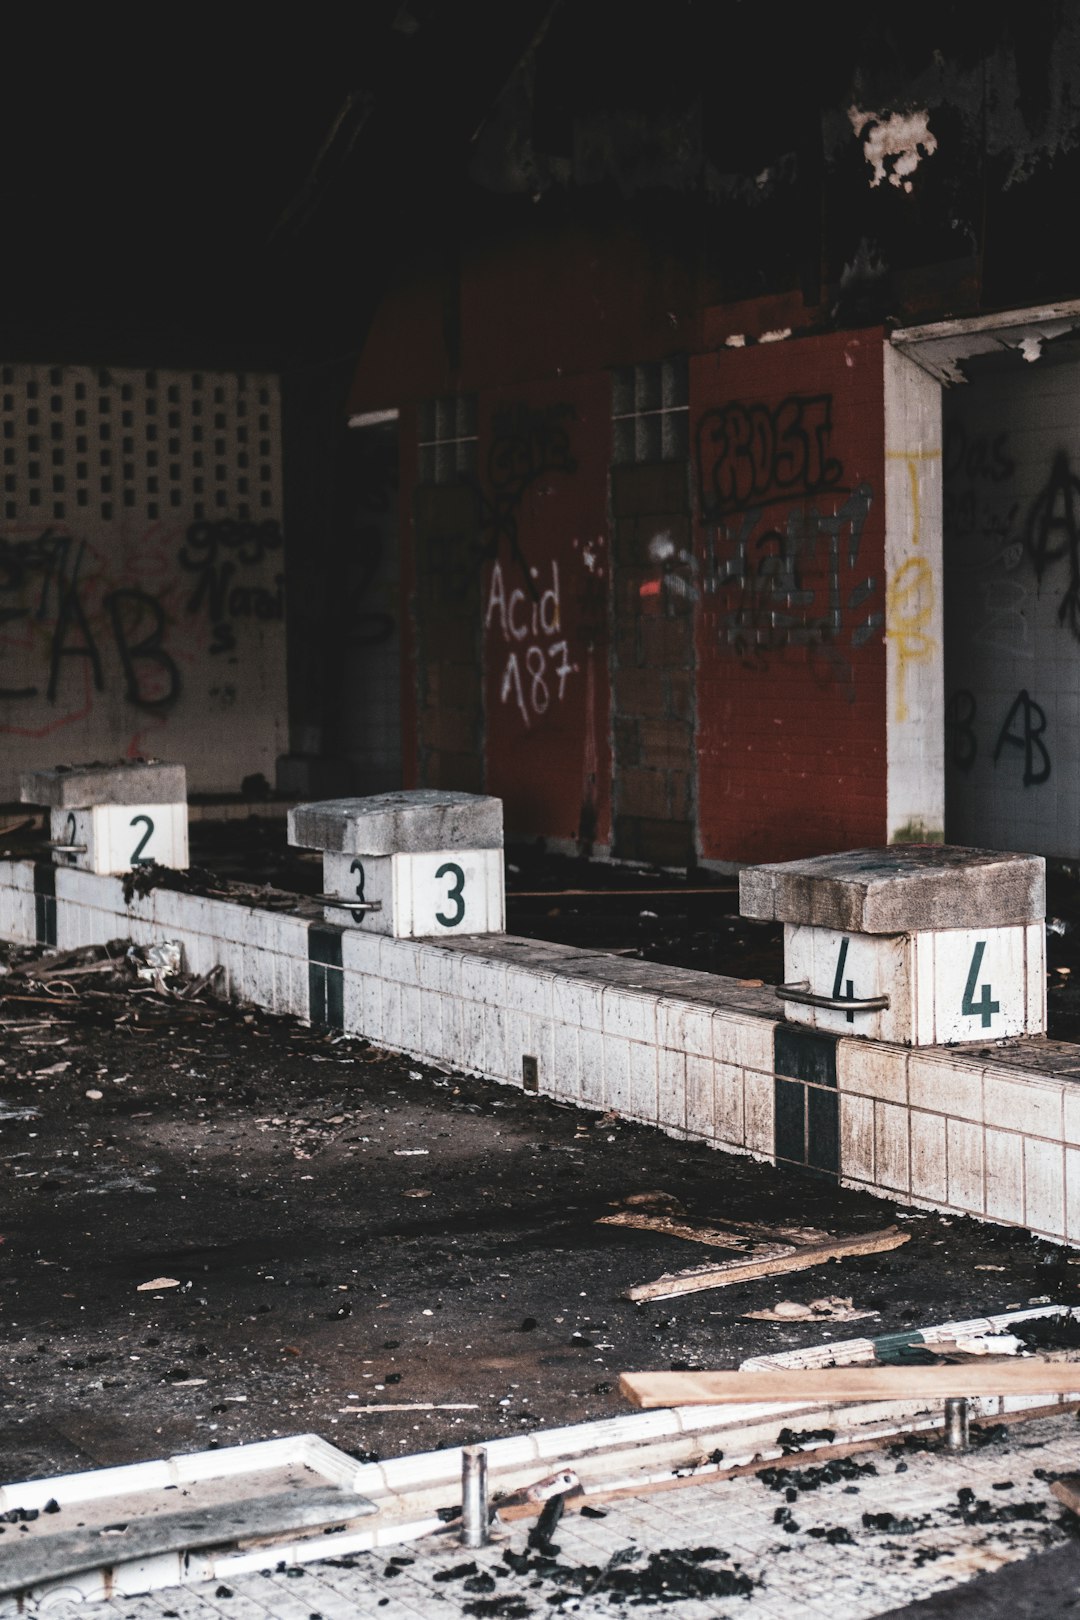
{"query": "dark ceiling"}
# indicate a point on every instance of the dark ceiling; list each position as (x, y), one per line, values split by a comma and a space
(194, 196)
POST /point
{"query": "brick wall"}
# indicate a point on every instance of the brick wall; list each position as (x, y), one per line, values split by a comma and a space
(653, 664)
(447, 607)
(788, 450)
(544, 453)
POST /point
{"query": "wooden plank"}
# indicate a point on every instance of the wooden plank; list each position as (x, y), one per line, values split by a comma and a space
(1067, 1490)
(33, 1559)
(719, 1234)
(1019, 1375)
(795, 1259)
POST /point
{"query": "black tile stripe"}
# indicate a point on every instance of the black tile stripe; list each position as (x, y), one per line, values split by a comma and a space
(806, 1131)
(326, 986)
(45, 902)
(805, 1054)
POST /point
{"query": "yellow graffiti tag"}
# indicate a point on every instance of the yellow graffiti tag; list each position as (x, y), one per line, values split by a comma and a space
(909, 599)
(909, 608)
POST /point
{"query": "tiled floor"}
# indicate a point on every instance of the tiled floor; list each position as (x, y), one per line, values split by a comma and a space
(795, 1573)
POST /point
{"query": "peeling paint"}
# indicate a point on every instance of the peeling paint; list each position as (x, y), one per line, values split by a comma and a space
(894, 143)
(777, 336)
(737, 340)
(1031, 347)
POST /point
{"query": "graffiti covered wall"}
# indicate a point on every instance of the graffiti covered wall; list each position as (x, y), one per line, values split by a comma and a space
(789, 584)
(1012, 604)
(141, 571)
(543, 533)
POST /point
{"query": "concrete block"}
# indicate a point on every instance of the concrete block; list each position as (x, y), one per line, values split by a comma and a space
(472, 1035)
(631, 1015)
(1031, 1105)
(964, 1152)
(929, 1168)
(450, 1025)
(1005, 1176)
(413, 822)
(577, 1003)
(759, 1094)
(729, 1118)
(116, 838)
(617, 1074)
(1044, 1187)
(644, 1102)
(857, 1138)
(591, 1058)
(1072, 1195)
(671, 1088)
(945, 1087)
(892, 1146)
(565, 1068)
(127, 782)
(683, 1028)
(700, 1106)
(899, 890)
(441, 894)
(872, 1070)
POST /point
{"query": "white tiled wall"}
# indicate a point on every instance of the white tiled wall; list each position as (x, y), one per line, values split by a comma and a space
(1012, 625)
(988, 1131)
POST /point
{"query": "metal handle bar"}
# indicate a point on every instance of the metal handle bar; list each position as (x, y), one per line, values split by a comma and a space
(802, 993)
(342, 904)
(67, 849)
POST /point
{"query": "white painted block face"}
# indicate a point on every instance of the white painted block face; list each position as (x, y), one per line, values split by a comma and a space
(119, 837)
(857, 967)
(980, 984)
(437, 893)
(945, 986)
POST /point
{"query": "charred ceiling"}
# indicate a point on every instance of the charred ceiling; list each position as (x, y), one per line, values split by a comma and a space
(897, 162)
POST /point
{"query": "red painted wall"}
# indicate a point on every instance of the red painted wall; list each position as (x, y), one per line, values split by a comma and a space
(788, 449)
(544, 455)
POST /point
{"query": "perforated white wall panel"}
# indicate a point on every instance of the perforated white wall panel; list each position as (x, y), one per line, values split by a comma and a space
(142, 570)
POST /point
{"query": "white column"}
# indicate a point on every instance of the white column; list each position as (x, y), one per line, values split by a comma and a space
(915, 656)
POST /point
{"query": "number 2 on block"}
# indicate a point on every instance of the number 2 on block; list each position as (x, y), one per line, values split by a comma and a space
(984, 1006)
(137, 856)
(456, 893)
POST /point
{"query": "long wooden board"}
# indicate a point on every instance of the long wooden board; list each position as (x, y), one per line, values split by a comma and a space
(793, 1258)
(1011, 1375)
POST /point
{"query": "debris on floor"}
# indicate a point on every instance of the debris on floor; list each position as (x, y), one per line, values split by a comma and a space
(830, 1308)
(765, 1251)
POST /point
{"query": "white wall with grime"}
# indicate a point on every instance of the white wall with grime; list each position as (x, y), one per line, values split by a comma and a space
(1012, 588)
(142, 570)
(986, 1130)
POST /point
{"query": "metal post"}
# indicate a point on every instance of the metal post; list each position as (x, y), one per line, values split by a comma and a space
(956, 1424)
(474, 1496)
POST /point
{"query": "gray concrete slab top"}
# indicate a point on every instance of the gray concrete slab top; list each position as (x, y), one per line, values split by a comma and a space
(405, 823)
(124, 781)
(899, 890)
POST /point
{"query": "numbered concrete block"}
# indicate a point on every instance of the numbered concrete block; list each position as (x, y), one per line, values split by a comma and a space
(110, 818)
(116, 837)
(417, 821)
(916, 945)
(128, 781)
(934, 987)
(457, 891)
(415, 863)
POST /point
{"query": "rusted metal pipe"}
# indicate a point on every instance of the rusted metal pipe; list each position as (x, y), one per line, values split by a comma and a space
(474, 1496)
(956, 1424)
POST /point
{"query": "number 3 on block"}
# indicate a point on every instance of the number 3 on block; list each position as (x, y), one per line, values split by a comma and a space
(456, 893)
(984, 1006)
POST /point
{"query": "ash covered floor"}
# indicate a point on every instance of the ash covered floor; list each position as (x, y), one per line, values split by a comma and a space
(344, 1228)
